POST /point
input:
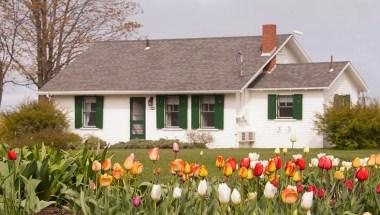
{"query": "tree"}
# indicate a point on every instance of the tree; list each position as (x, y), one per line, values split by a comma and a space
(52, 33)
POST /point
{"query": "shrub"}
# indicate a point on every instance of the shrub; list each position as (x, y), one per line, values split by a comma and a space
(199, 139)
(161, 143)
(351, 127)
(37, 122)
(94, 142)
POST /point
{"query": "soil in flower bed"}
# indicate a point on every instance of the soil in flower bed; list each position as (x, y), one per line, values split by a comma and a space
(52, 211)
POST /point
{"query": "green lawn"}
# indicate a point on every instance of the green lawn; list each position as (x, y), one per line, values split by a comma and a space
(209, 155)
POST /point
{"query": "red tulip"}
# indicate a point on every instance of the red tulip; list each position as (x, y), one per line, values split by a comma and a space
(378, 189)
(274, 182)
(325, 163)
(12, 155)
(312, 188)
(362, 174)
(245, 162)
(301, 164)
(300, 188)
(348, 184)
(258, 170)
(321, 193)
(277, 161)
(232, 163)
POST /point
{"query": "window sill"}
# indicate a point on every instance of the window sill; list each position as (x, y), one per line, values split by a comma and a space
(286, 120)
(172, 129)
(208, 129)
(89, 129)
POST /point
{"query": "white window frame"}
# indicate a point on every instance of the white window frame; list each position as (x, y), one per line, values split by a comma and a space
(85, 113)
(171, 110)
(201, 103)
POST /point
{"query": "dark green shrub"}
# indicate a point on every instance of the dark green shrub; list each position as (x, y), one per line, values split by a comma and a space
(161, 143)
(93, 142)
(351, 127)
(37, 122)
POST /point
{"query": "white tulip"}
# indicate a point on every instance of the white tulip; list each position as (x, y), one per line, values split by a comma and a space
(264, 163)
(285, 150)
(307, 200)
(252, 195)
(321, 155)
(314, 162)
(364, 161)
(347, 165)
(270, 190)
(224, 193)
(253, 156)
(155, 194)
(331, 157)
(306, 149)
(202, 187)
(335, 162)
(297, 156)
(367, 213)
(235, 197)
(177, 193)
(277, 151)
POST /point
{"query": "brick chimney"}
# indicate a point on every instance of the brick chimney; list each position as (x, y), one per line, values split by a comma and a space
(269, 42)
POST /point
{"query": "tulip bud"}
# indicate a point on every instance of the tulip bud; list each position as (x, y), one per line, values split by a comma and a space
(92, 185)
(269, 190)
(300, 188)
(307, 201)
(356, 163)
(293, 138)
(321, 193)
(306, 150)
(378, 189)
(285, 150)
(187, 169)
(201, 153)
(224, 193)
(136, 201)
(177, 193)
(202, 188)
(128, 163)
(96, 166)
(277, 151)
(154, 154)
(11, 155)
(155, 194)
(175, 147)
(235, 197)
(348, 184)
(252, 196)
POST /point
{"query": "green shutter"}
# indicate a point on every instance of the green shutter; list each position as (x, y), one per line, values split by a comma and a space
(78, 111)
(183, 111)
(272, 106)
(160, 111)
(297, 106)
(99, 111)
(347, 100)
(195, 111)
(219, 111)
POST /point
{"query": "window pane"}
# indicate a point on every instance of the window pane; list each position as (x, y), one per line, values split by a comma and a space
(172, 100)
(90, 119)
(172, 111)
(89, 112)
(138, 109)
(208, 119)
(138, 129)
(208, 100)
(286, 112)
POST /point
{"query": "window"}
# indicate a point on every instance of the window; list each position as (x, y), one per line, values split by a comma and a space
(342, 100)
(207, 112)
(285, 106)
(89, 112)
(172, 112)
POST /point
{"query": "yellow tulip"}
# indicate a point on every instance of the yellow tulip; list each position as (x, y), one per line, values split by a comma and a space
(228, 170)
(372, 160)
(117, 171)
(250, 174)
(203, 172)
(137, 168)
(338, 175)
(356, 163)
(243, 172)
(377, 160)
(129, 162)
(297, 177)
(105, 180)
(187, 169)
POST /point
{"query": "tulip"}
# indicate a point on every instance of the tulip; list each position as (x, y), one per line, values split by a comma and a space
(137, 168)
(245, 162)
(157, 171)
(356, 163)
(92, 185)
(224, 193)
(105, 180)
(203, 171)
(321, 193)
(106, 164)
(364, 161)
(201, 153)
(243, 172)
(319, 155)
(335, 162)
(227, 170)
(307, 201)
(312, 188)
(154, 154)
(277, 161)
(346, 165)
(136, 201)
(301, 163)
(271, 167)
(258, 170)
(195, 169)
(367, 213)
(377, 160)
(338, 175)
(178, 165)
(128, 163)
(219, 162)
(253, 156)
(251, 195)
(300, 188)
(297, 156)
(362, 174)
(232, 162)
(249, 174)
(96, 166)
(324, 163)
(175, 147)
(297, 177)
(314, 162)
(290, 168)
(378, 189)
(235, 197)
(187, 169)
(348, 184)
(117, 171)
(277, 151)
(293, 138)
(285, 150)
(270, 190)
(372, 160)
(177, 193)
(306, 149)
(155, 194)
(12, 155)
(289, 195)
(202, 188)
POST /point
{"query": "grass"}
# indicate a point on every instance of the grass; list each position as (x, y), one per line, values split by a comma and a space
(209, 156)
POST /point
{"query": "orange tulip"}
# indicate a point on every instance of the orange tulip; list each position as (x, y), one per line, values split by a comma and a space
(289, 195)
(187, 169)
(372, 160)
(219, 162)
(117, 171)
(271, 167)
(228, 170)
(105, 180)
(178, 165)
(106, 164)
(377, 160)
(243, 173)
(129, 162)
(194, 169)
(137, 168)
(250, 174)
(274, 177)
(203, 171)
(154, 154)
(290, 168)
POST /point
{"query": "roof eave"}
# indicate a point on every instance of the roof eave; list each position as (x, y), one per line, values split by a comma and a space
(287, 89)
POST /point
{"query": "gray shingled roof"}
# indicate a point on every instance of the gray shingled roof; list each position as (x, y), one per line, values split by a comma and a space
(306, 75)
(169, 65)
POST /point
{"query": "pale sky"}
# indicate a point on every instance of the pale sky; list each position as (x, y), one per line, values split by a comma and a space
(347, 29)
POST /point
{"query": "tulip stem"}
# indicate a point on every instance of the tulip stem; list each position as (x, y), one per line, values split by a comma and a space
(155, 207)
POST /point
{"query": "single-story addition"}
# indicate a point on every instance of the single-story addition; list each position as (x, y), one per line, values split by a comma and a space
(243, 91)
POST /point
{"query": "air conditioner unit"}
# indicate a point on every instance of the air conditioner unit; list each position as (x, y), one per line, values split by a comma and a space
(246, 136)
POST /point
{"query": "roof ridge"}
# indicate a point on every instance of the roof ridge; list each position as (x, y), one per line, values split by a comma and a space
(185, 38)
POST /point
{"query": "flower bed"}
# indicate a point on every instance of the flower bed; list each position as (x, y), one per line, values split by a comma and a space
(90, 183)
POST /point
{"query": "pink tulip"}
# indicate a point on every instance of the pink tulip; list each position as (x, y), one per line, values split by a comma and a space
(136, 201)
(175, 147)
(154, 154)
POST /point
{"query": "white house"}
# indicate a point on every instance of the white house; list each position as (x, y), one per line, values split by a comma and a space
(252, 89)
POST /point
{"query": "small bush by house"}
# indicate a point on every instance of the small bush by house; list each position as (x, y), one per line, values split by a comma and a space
(161, 143)
(351, 127)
